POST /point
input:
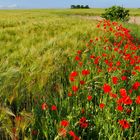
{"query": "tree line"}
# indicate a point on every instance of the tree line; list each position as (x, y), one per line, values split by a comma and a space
(79, 7)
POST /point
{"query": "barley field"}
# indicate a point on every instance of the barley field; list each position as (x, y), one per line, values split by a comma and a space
(87, 12)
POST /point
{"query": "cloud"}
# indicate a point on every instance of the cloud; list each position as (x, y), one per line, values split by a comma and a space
(11, 6)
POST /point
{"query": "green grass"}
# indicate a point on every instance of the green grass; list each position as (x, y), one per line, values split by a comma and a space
(134, 11)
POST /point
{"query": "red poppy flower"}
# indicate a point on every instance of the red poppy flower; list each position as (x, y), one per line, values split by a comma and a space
(90, 40)
(118, 63)
(62, 132)
(138, 100)
(92, 56)
(133, 73)
(107, 88)
(123, 92)
(82, 82)
(82, 120)
(120, 101)
(124, 124)
(127, 100)
(71, 133)
(126, 46)
(137, 68)
(79, 52)
(64, 123)
(74, 74)
(132, 61)
(87, 45)
(69, 94)
(110, 29)
(130, 91)
(115, 80)
(85, 72)
(119, 108)
(136, 85)
(128, 111)
(110, 69)
(18, 118)
(77, 58)
(80, 63)
(116, 49)
(96, 60)
(44, 106)
(84, 125)
(53, 108)
(104, 54)
(72, 79)
(99, 70)
(102, 105)
(75, 88)
(98, 26)
(110, 64)
(106, 61)
(89, 98)
(14, 129)
(124, 78)
(83, 111)
(113, 95)
(96, 38)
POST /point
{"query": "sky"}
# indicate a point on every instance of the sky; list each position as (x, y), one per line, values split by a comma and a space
(66, 3)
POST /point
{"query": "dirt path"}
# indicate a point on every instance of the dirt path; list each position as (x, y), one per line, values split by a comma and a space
(135, 20)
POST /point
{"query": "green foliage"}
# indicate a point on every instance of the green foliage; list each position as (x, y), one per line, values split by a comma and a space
(116, 13)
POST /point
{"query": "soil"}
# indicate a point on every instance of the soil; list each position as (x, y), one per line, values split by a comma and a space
(135, 20)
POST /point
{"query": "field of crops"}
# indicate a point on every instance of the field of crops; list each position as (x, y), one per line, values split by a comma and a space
(88, 12)
(64, 77)
(83, 12)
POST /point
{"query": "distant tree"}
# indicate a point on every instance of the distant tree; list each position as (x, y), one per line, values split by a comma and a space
(87, 7)
(82, 6)
(78, 6)
(72, 6)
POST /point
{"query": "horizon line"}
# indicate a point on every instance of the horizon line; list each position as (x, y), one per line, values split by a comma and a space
(18, 8)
